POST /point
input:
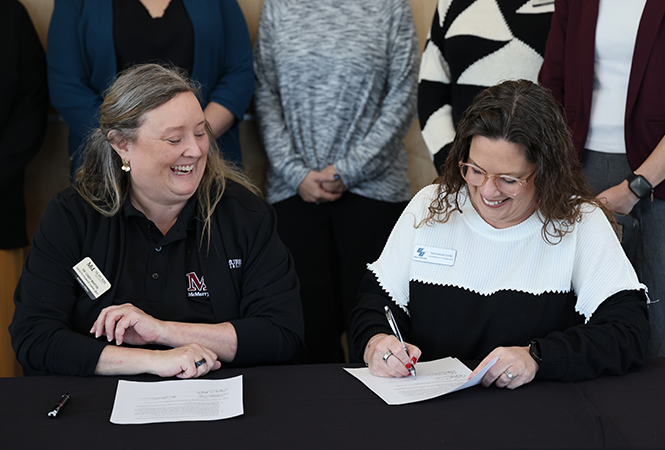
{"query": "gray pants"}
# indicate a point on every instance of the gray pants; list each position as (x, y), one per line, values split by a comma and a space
(605, 170)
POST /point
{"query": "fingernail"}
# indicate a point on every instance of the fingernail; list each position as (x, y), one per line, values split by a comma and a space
(408, 365)
(414, 359)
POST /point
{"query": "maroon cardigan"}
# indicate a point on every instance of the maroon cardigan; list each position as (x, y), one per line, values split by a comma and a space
(568, 72)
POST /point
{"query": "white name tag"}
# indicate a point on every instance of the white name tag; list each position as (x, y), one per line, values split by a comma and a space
(91, 278)
(434, 255)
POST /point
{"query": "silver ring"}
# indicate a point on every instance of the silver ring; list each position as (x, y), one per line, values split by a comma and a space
(387, 355)
(509, 374)
(200, 363)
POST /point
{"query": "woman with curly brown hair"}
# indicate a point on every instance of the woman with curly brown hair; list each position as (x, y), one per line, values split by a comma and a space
(507, 255)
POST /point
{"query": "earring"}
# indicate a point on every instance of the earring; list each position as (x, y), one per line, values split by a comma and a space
(125, 165)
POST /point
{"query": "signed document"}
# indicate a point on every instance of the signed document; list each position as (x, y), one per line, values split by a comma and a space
(177, 401)
(435, 378)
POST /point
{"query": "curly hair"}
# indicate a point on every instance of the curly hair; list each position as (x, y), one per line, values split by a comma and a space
(135, 92)
(523, 113)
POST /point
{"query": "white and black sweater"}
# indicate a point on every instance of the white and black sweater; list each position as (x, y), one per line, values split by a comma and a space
(474, 44)
(580, 298)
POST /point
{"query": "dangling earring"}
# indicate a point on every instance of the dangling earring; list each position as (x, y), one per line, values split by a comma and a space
(125, 165)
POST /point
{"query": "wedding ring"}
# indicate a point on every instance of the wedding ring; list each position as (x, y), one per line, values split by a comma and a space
(509, 374)
(200, 363)
(387, 355)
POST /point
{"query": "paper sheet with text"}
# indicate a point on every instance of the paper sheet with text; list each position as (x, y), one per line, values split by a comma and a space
(177, 401)
(435, 378)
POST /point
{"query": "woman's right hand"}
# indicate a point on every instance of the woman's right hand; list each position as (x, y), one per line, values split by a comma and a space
(311, 191)
(397, 363)
(178, 362)
(181, 361)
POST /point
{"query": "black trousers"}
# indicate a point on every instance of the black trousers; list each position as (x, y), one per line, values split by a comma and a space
(332, 243)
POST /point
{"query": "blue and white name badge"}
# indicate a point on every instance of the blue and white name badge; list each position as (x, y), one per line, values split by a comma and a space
(91, 279)
(434, 255)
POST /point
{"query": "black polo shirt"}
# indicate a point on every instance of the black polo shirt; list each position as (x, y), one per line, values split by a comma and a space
(162, 274)
(244, 276)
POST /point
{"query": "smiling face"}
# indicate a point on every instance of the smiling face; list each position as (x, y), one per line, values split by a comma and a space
(502, 158)
(168, 157)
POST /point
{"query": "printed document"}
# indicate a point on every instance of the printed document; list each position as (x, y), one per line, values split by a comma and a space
(434, 378)
(177, 401)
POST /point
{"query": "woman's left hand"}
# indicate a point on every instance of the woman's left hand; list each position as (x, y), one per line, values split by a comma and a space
(619, 198)
(127, 323)
(514, 367)
(332, 184)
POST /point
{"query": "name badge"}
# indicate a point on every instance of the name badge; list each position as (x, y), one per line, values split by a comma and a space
(91, 279)
(434, 255)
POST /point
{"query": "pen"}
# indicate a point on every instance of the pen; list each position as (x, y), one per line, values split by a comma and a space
(393, 325)
(56, 409)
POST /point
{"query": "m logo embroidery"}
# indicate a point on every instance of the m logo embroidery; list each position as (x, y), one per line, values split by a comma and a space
(196, 287)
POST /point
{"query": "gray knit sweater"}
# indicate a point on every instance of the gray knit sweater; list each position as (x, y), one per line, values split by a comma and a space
(336, 84)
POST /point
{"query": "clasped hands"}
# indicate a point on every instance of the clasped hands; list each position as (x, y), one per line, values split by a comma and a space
(321, 186)
(129, 324)
(515, 361)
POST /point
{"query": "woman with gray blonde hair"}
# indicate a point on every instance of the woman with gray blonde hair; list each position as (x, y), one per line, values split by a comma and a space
(159, 247)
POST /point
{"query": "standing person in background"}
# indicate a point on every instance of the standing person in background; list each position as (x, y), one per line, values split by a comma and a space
(604, 62)
(89, 42)
(335, 95)
(474, 44)
(23, 109)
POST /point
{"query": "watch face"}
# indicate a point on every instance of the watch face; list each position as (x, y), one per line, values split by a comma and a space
(534, 351)
(639, 185)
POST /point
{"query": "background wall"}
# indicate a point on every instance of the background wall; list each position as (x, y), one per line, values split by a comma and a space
(48, 173)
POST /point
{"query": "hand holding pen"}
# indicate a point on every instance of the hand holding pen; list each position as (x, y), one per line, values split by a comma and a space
(387, 357)
(411, 365)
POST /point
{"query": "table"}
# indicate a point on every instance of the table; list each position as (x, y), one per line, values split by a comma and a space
(322, 406)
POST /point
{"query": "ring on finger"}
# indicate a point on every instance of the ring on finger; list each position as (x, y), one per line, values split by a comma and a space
(509, 374)
(200, 363)
(387, 355)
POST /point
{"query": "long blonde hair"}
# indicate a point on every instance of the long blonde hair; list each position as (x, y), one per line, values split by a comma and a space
(135, 92)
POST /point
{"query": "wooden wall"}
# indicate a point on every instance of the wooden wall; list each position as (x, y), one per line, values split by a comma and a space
(48, 172)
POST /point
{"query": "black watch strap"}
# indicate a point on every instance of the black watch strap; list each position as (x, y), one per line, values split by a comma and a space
(534, 351)
(639, 185)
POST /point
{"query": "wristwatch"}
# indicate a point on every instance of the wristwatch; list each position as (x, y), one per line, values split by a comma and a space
(534, 351)
(639, 185)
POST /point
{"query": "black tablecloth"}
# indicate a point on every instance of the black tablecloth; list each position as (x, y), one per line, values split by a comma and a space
(322, 406)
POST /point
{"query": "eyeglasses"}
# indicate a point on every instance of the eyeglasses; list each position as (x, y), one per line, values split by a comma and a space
(476, 176)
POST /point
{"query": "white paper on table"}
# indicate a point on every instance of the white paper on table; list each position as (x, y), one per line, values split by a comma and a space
(177, 401)
(434, 378)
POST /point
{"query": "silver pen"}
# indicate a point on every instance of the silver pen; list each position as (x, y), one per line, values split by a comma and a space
(393, 325)
(56, 409)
